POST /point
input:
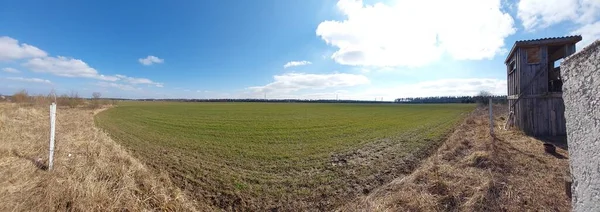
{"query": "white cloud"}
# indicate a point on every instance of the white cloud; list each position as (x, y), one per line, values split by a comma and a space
(444, 87)
(69, 67)
(296, 63)
(11, 70)
(10, 49)
(340, 94)
(40, 62)
(584, 14)
(299, 81)
(36, 80)
(537, 14)
(150, 60)
(124, 87)
(135, 81)
(415, 33)
(589, 33)
(65, 67)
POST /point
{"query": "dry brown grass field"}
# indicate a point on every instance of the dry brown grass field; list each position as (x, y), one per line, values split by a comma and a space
(91, 172)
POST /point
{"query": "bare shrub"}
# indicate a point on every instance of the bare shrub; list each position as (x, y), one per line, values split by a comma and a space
(21, 97)
(62, 100)
(96, 101)
(41, 100)
(73, 100)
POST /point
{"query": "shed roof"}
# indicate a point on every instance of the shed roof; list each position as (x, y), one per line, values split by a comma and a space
(543, 41)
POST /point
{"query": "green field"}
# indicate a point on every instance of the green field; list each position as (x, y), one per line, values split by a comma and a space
(287, 156)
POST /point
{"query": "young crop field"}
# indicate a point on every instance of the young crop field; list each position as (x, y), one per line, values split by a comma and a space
(281, 156)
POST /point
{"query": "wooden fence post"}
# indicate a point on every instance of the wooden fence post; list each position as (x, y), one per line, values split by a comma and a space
(491, 118)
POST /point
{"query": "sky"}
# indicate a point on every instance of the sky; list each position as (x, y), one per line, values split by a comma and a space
(309, 49)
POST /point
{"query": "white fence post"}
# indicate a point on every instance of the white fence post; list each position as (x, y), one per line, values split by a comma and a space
(52, 129)
(491, 118)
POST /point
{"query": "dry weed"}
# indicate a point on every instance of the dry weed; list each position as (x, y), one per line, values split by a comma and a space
(91, 172)
(473, 172)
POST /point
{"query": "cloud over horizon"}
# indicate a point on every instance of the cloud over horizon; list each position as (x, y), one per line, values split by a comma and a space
(299, 81)
(35, 80)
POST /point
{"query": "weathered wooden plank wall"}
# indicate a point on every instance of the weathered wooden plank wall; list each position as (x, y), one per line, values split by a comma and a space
(539, 110)
(535, 113)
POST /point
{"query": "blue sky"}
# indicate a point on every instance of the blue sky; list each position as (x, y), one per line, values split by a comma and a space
(309, 49)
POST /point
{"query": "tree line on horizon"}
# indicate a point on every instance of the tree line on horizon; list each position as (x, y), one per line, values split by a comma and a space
(454, 99)
(409, 100)
(481, 98)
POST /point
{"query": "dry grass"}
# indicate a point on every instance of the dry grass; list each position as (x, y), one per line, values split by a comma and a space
(472, 171)
(91, 172)
(72, 100)
(21, 96)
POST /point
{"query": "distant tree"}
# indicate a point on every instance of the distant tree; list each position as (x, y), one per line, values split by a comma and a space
(73, 100)
(52, 96)
(482, 97)
(96, 95)
(484, 93)
(96, 100)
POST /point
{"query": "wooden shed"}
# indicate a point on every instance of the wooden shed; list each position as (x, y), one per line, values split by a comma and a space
(535, 86)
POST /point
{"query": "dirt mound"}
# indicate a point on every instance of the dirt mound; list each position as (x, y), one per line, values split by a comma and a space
(472, 171)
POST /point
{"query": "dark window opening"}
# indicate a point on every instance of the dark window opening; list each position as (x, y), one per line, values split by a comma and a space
(556, 55)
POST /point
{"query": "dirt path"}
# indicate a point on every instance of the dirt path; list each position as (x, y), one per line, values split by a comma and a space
(96, 111)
